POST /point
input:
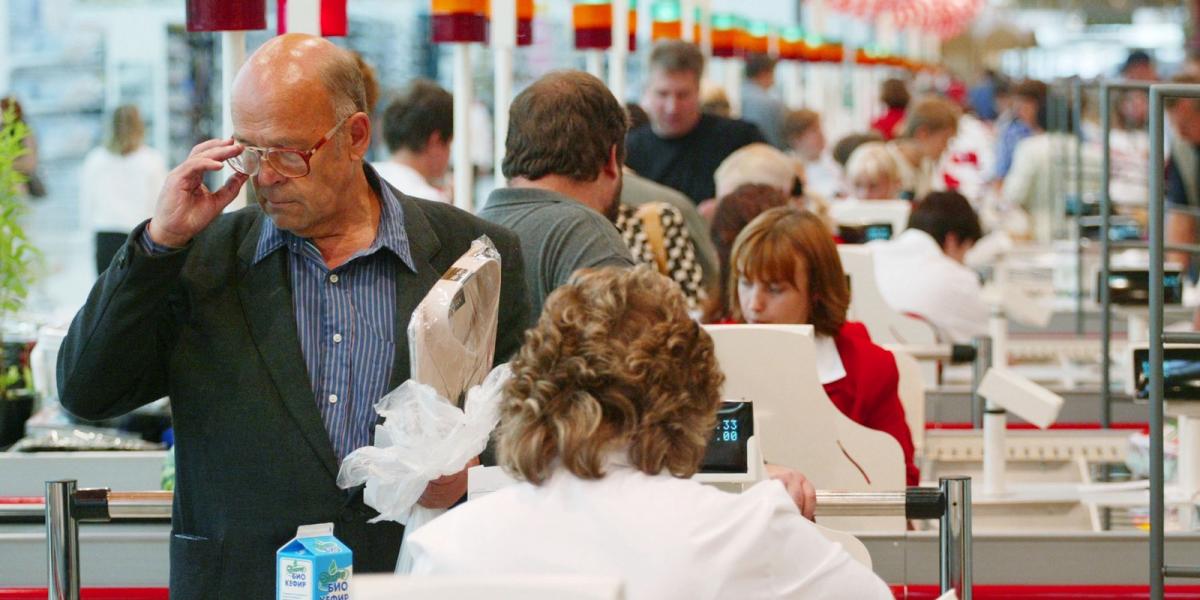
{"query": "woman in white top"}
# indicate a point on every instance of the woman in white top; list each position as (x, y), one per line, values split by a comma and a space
(921, 271)
(612, 402)
(119, 184)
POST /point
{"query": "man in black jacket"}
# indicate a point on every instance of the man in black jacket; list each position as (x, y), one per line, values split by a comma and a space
(274, 329)
(680, 147)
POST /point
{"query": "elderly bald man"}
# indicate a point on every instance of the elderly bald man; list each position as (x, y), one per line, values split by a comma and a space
(275, 328)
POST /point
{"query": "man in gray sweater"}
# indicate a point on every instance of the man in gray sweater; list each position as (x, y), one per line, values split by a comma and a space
(563, 157)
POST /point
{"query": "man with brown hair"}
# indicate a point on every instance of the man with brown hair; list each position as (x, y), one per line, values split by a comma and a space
(928, 127)
(562, 160)
(418, 128)
(759, 105)
(681, 147)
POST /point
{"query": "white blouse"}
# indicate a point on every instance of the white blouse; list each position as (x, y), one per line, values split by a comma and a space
(665, 538)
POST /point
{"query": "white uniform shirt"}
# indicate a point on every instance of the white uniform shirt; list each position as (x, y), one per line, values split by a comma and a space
(915, 276)
(408, 181)
(117, 192)
(665, 538)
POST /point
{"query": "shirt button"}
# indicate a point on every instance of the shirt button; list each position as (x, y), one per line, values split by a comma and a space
(333, 278)
(337, 338)
(333, 398)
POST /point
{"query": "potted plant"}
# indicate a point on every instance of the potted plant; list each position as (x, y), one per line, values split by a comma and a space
(16, 267)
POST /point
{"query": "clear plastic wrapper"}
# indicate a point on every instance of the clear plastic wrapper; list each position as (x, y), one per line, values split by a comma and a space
(425, 434)
(423, 437)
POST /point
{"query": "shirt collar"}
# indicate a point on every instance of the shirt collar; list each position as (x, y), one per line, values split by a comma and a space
(919, 239)
(390, 235)
(829, 363)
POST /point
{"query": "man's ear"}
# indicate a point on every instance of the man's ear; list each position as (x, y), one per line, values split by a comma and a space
(612, 167)
(359, 125)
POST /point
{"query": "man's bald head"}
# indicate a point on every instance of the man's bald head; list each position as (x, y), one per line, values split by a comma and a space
(296, 66)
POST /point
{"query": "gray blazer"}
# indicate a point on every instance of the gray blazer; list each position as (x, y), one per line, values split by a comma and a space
(218, 335)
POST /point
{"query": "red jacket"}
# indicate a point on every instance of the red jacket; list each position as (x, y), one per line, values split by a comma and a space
(868, 393)
(888, 122)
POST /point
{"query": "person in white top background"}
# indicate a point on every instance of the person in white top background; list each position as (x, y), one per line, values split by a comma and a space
(119, 184)
(921, 271)
(806, 138)
(418, 128)
(613, 399)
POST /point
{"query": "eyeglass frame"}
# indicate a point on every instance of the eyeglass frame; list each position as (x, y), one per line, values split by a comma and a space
(264, 152)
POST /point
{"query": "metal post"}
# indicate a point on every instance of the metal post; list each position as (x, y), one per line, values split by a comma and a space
(1106, 244)
(595, 63)
(619, 51)
(62, 540)
(955, 537)
(1077, 108)
(983, 361)
(1105, 258)
(464, 170)
(504, 45)
(1156, 226)
(233, 54)
(954, 571)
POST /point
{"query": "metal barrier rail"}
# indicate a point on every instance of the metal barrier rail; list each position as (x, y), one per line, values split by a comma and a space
(1159, 571)
(66, 506)
(953, 353)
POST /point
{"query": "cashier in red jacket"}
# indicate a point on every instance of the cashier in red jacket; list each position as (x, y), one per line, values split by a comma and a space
(787, 271)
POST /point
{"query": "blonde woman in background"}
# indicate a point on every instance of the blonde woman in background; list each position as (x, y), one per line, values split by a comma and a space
(763, 164)
(613, 399)
(872, 173)
(119, 184)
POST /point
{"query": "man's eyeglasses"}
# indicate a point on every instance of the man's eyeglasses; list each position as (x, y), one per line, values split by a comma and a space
(288, 162)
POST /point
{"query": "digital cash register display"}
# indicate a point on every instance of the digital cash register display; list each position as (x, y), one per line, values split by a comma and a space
(861, 234)
(1181, 373)
(728, 449)
(1131, 287)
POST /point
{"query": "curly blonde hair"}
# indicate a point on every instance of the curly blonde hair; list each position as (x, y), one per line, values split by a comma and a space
(614, 362)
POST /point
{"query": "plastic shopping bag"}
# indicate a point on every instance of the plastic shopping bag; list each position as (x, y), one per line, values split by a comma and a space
(423, 437)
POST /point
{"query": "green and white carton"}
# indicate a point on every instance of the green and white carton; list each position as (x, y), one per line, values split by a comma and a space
(314, 565)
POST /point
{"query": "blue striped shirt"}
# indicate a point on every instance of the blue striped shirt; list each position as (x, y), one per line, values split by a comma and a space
(346, 318)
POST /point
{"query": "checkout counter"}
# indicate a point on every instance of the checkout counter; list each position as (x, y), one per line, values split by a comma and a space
(1062, 521)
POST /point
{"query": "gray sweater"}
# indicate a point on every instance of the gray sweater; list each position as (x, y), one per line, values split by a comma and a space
(558, 236)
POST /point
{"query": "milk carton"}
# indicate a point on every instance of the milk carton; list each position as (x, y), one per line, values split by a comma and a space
(314, 565)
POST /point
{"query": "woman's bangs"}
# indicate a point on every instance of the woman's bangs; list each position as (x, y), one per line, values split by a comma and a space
(769, 258)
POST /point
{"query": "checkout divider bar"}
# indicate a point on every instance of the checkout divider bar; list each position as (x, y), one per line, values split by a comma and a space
(66, 506)
(1181, 337)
